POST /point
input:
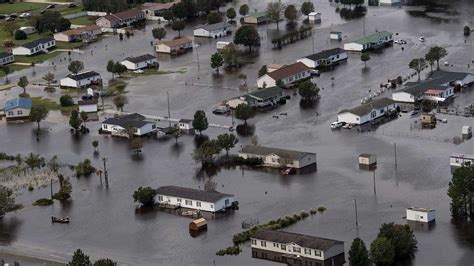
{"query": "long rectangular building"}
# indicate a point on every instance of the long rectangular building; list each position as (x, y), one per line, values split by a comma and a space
(373, 41)
(275, 157)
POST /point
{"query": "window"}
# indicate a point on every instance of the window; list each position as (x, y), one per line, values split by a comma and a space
(382, 111)
(179, 200)
(254, 242)
(212, 206)
(10, 113)
(317, 253)
(227, 202)
(295, 249)
(307, 251)
(283, 247)
(189, 202)
(160, 198)
(373, 114)
(421, 217)
(198, 204)
(263, 243)
(276, 245)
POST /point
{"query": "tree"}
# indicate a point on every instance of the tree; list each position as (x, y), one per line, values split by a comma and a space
(95, 144)
(65, 189)
(248, 36)
(401, 237)
(85, 168)
(227, 141)
(105, 262)
(200, 121)
(136, 144)
(145, 196)
(7, 201)
(437, 53)
(22, 83)
(79, 259)
(178, 25)
(75, 67)
(84, 117)
(279, 83)
(49, 78)
(38, 114)
(120, 101)
(158, 33)
(8, 44)
(244, 112)
(53, 164)
(20, 35)
(75, 121)
(230, 55)
(111, 67)
(243, 77)
(429, 57)
(231, 14)
(6, 70)
(214, 17)
(308, 90)
(216, 61)
(461, 192)
(306, 8)
(119, 69)
(358, 254)
(274, 10)
(467, 30)
(205, 153)
(177, 134)
(381, 252)
(66, 100)
(10, 27)
(262, 71)
(291, 13)
(417, 64)
(244, 10)
(51, 21)
(364, 57)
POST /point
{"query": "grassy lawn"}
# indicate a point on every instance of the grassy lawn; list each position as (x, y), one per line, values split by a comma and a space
(70, 11)
(153, 71)
(38, 58)
(13, 68)
(20, 7)
(117, 86)
(69, 45)
(5, 36)
(50, 104)
(85, 20)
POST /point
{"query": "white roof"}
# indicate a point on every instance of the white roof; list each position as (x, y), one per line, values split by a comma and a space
(420, 209)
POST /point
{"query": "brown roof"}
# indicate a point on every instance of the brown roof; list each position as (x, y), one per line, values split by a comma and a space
(158, 6)
(87, 102)
(176, 42)
(304, 241)
(288, 70)
(124, 14)
(78, 31)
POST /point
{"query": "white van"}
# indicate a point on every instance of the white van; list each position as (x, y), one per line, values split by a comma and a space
(221, 45)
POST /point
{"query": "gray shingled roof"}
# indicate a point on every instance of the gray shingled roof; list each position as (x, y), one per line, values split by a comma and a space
(325, 54)
(128, 121)
(435, 82)
(35, 43)
(304, 241)
(261, 150)
(367, 107)
(266, 93)
(5, 54)
(141, 58)
(214, 26)
(193, 194)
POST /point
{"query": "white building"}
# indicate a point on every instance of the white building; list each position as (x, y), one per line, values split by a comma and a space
(420, 215)
(268, 96)
(296, 249)
(6, 58)
(177, 46)
(274, 157)
(28, 29)
(209, 201)
(121, 19)
(37, 46)
(335, 35)
(368, 112)
(314, 16)
(288, 74)
(221, 45)
(215, 30)
(457, 160)
(325, 57)
(81, 80)
(155, 11)
(87, 106)
(84, 34)
(18, 109)
(256, 18)
(185, 124)
(139, 62)
(373, 41)
(118, 126)
(388, 2)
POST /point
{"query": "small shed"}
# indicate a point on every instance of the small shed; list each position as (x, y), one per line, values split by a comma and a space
(422, 215)
(335, 35)
(185, 124)
(466, 132)
(198, 225)
(367, 161)
(314, 16)
(428, 120)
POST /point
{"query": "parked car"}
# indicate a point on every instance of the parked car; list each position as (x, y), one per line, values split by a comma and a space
(422, 39)
(9, 19)
(400, 41)
(51, 6)
(337, 125)
(25, 15)
(13, 15)
(446, 63)
(3, 16)
(315, 72)
(138, 71)
(221, 110)
(71, 5)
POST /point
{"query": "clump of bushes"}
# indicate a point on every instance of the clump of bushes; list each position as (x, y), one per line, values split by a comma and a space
(248, 161)
(234, 250)
(321, 209)
(291, 37)
(43, 202)
(84, 168)
(66, 100)
(7, 157)
(313, 211)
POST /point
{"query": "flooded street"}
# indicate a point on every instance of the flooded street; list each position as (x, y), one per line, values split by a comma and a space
(104, 222)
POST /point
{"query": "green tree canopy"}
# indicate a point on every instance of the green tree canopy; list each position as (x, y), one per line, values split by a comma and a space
(358, 254)
(461, 192)
(178, 25)
(200, 121)
(262, 71)
(244, 112)
(230, 13)
(308, 90)
(214, 17)
(120, 101)
(75, 67)
(38, 114)
(274, 11)
(437, 53)
(22, 83)
(381, 252)
(204, 154)
(417, 64)
(364, 57)
(159, 33)
(75, 121)
(248, 36)
(20, 35)
(7, 201)
(217, 61)
(227, 141)
(402, 238)
(80, 259)
(244, 10)
(467, 30)
(136, 144)
(51, 21)
(306, 8)
(230, 55)
(291, 13)
(105, 262)
(145, 196)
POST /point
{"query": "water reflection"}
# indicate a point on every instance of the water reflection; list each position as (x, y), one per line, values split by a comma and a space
(8, 229)
(353, 13)
(465, 231)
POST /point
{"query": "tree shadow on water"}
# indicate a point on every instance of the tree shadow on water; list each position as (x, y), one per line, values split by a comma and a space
(200, 139)
(176, 149)
(355, 13)
(245, 130)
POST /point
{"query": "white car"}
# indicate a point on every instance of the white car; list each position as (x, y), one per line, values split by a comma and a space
(25, 15)
(138, 71)
(422, 39)
(400, 41)
(336, 125)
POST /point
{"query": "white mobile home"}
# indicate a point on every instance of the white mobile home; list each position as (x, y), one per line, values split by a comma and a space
(335, 35)
(139, 62)
(423, 215)
(264, 97)
(389, 2)
(81, 80)
(185, 124)
(215, 30)
(28, 29)
(457, 160)
(314, 16)
(274, 157)
(121, 19)
(368, 112)
(256, 18)
(373, 41)
(325, 57)
(118, 126)
(288, 74)
(37, 46)
(209, 201)
(87, 106)
(6, 58)
(85, 34)
(177, 46)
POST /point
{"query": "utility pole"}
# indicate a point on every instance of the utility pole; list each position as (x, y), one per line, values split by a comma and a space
(106, 173)
(395, 149)
(51, 188)
(375, 191)
(363, 22)
(312, 39)
(169, 112)
(197, 56)
(355, 207)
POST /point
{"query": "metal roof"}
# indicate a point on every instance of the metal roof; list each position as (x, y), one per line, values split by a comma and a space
(83, 75)
(25, 103)
(304, 241)
(139, 59)
(373, 38)
(128, 121)
(264, 151)
(190, 193)
(365, 109)
(266, 93)
(5, 54)
(325, 54)
(214, 26)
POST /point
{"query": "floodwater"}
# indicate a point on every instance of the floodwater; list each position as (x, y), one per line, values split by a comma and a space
(104, 222)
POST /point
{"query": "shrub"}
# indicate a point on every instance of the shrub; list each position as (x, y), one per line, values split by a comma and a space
(43, 202)
(304, 214)
(20, 35)
(235, 250)
(61, 195)
(31, 188)
(282, 101)
(66, 100)
(85, 168)
(313, 211)
(321, 209)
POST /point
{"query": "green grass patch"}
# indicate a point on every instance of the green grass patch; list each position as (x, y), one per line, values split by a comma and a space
(38, 58)
(43, 202)
(69, 45)
(5, 36)
(117, 86)
(70, 11)
(153, 71)
(13, 68)
(85, 20)
(6, 87)
(19, 7)
(50, 104)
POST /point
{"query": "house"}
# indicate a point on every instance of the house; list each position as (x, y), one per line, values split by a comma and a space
(440, 87)
(37, 46)
(177, 46)
(209, 201)
(118, 126)
(273, 67)
(28, 29)
(18, 109)
(457, 160)
(139, 62)
(287, 74)
(314, 16)
(156, 10)
(389, 2)
(256, 18)
(6, 58)
(373, 41)
(423, 215)
(88, 106)
(325, 57)
(275, 157)
(81, 80)
(121, 19)
(368, 112)
(335, 35)
(185, 124)
(466, 132)
(296, 249)
(215, 30)
(264, 97)
(85, 34)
